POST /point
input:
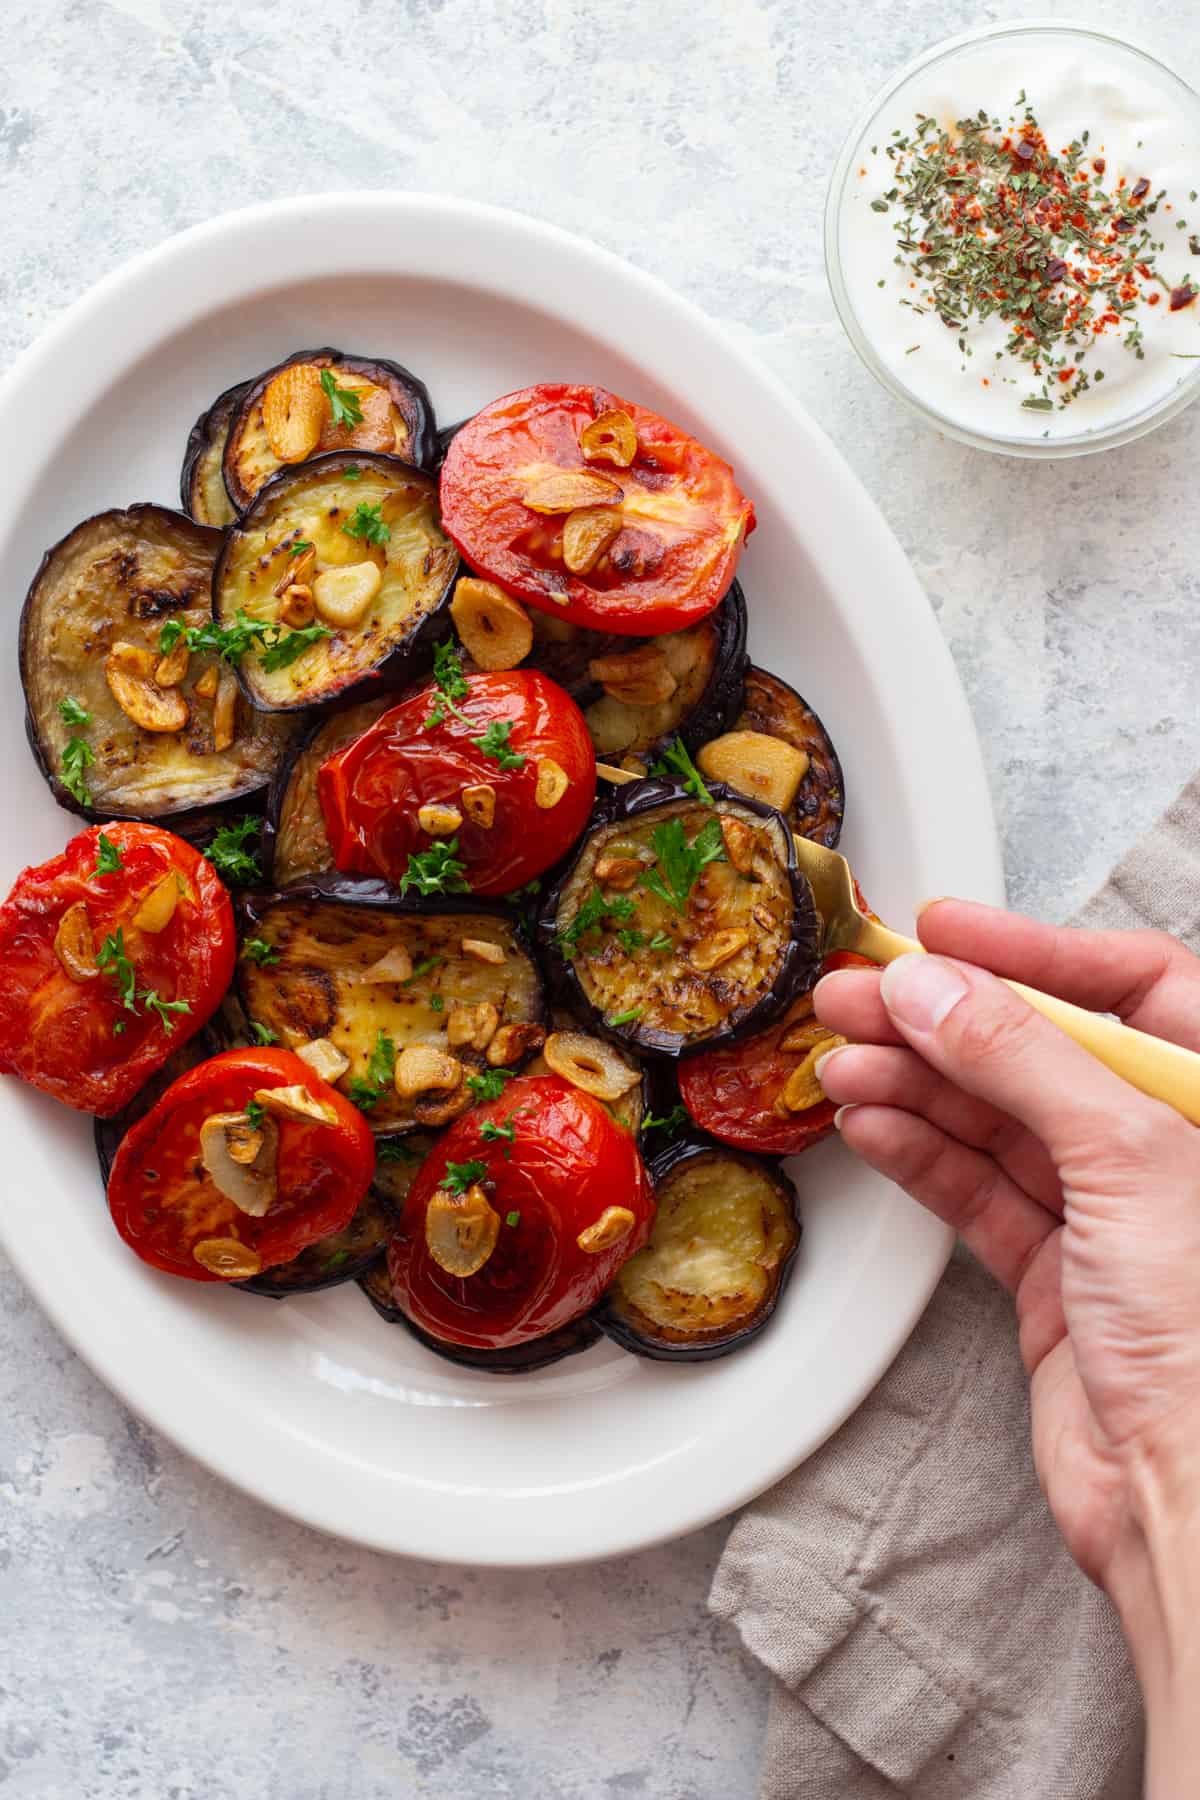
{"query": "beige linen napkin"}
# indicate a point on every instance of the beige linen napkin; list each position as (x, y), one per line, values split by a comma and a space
(906, 1586)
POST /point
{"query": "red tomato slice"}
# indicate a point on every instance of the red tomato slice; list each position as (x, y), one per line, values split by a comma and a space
(566, 1163)
(683, 517)
(164, 1202)
(371, 792)
(76, 1038)
(732, 1093)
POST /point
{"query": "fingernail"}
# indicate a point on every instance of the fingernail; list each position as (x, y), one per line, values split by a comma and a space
(828, 1058)
(839, 1115)
(935, 900)
(919, 990)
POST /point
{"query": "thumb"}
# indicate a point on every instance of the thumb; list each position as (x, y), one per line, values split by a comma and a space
(990, 1042)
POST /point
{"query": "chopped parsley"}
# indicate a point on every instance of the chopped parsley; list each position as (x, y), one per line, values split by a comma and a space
(344, 403)
(680, 862)
(438, 870)
(72, 713)
(436, 1003)
(263, 1034)
(393, 1150)
(493, 1133)
(489, 1083)
(594, 911)
(256, 1112)
(460, 1176)
(670, 1124)
(448, 677)
(335, 1261)
(368, 524)
(299, 547)
(660, 941)
(676, 763)
(257, 950)
(625, 1018)
(277, 645)
(229, 852)
(367, 1091)
(351, 472)
(108, 857)
(77, 756)
(112, 960)
(512, 1219)
(494, 742)
(425, 967)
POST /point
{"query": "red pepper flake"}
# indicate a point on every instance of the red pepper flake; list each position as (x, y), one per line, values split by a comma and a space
(1099, 164)
(1153, 300)
(1181, 297)
(1065, 375)
(1140, 190)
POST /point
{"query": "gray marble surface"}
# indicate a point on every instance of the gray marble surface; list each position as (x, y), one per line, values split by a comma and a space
(163, 1636)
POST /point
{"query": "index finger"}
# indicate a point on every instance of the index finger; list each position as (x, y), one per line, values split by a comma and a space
(1145, 977)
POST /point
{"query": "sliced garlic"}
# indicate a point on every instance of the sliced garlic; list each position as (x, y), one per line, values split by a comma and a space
(241, 1159)
(75, 943)
(296, 1103)
(324, 1058)
(343, 597)
(158, 908)
(129, 671)
(614, 1224)
(590, 1064)
(461, 1230)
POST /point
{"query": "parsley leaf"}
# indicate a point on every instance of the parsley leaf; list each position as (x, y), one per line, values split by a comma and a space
(299, 547)
(108, 857)
(494, 742)
(437, 870)
(257, 950)
(489, 1083)
(593, 912)
(76, 757)
(670, 1124)
(493, 1133)
(680, 862)
(625, 1018)
(367, 522)
(367, 1091)
(72, 713)
(436, 1003)
(513, 1219)
(449, 678)
(676, 763)
(660, 941)
(335, 1261)
(283, 650)
(277, 645)
(351, 472)
(631, 940)
(229, 853)
(344, 403)
(263, 1033)
(112, 960)
(460, 1176)
(256, 1112)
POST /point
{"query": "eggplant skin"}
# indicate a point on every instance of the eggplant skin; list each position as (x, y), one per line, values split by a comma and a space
(330, 933)
(202, 487)
(707, 659)
(313, 502)
(120, 576)
(295, 843)
(521, 1359)
(799, 959)
(746, 1190)
(249, 461)
(773, 707)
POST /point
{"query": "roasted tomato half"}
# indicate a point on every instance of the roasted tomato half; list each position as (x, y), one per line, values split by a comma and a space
(243, 1163)
(594, 509)
(762, 1093)
(520, 1217)
(112, 954)
(483, 782)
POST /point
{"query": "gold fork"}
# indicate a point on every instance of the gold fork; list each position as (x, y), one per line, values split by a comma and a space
(1164, 1071)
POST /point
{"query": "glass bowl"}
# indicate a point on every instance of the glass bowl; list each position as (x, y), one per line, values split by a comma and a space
(1136, 101)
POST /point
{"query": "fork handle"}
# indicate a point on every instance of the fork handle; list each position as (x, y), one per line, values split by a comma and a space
(1162, 1070)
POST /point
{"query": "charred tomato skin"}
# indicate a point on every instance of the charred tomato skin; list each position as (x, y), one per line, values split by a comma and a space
(567, 1162)
(57, 1033)
(798, 966)
(638, 1335)
(371, 791)
(163, 1203)
(656, 577)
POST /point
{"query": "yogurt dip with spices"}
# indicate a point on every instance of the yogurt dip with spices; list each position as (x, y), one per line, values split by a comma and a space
(1016, 238)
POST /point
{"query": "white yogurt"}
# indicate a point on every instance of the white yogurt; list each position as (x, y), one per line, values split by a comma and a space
(1143, 125)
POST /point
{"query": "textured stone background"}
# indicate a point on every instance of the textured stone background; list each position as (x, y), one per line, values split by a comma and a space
(163, 1637)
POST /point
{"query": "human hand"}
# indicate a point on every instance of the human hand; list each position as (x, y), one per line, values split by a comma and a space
(1079, 1193)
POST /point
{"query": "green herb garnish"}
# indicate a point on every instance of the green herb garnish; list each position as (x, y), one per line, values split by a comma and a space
(108, 857)
(367, 523)
(436, 1003)
(669, 1124)
(460, 1176)
(112, 960)
(492, 1133)
(299, 547)
(625, 1018)
(592, 913)
(680, 862)
(437, 870)
(72, 713)
(396, 1150)
(263, 1034)
(494, 742)
(351, 472)
(660, 941)
(335, 1261)
(489, 1083)
(448, 677)
(76, 757)
(229, 855)
(277, 645)
(344, 403)
(512, 1219)
(256, 1112)
(366, 1091)
(675, 762)
(257, 950)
